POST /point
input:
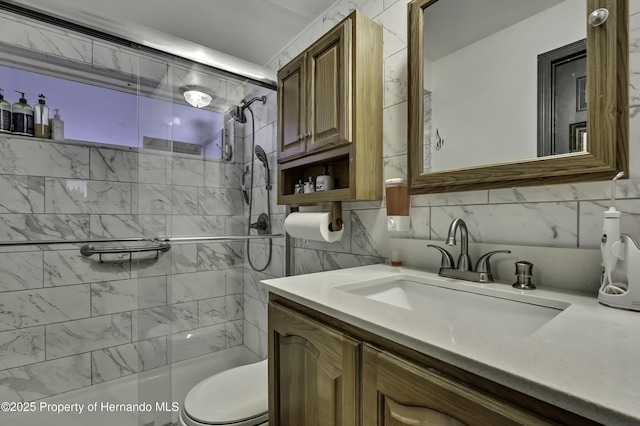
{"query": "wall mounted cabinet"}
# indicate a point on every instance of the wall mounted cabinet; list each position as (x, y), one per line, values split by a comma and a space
(330, 112)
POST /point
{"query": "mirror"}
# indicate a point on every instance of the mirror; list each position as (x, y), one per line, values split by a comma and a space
(487, 104)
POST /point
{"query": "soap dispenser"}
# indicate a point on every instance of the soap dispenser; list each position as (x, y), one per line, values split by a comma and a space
(57, 126)
(324, 182)
(22, 115)
(5, 115)
(41, 118)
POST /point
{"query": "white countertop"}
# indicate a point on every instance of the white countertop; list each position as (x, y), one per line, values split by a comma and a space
(585, 360)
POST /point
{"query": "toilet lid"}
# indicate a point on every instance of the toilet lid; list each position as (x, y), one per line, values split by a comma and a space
(230, 396)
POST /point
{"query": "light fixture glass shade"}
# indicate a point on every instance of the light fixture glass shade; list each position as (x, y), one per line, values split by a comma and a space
(197, 98)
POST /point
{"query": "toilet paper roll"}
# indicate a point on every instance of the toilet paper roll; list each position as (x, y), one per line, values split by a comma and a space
(312, 226)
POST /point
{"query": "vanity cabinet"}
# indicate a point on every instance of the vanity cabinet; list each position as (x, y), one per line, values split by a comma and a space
(313, 372)
(323, 371)
(330, 112)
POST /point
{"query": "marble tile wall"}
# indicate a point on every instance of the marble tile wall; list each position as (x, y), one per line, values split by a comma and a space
(67, 321)
(567, 215)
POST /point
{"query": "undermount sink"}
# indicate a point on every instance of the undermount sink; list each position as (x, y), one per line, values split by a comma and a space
(470, 305)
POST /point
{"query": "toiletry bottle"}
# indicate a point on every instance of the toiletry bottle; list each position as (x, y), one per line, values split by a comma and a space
(5, 115)
(41, 118)
(309, 186)
(22, 117)
(324, 182)
(57, 126)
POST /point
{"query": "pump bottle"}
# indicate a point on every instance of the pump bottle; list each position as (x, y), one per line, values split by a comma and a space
(5, 115)
(22, 115)
(57, 126)
(41, 118)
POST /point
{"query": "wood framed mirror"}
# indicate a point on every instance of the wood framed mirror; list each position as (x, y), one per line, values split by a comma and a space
(600, 146)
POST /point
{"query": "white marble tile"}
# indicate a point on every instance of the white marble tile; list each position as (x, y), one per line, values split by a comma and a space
(184, 200)
(74, 337)
(152, 169)
(110, 297)
(260, 258)
(420, 223)
(21, 270)
(67, 267)
(213, 202)
(147, 265)
(234, 280)
(255, 312)
(21, 194)
(184, 258)
(234, 333)
(198, 225)
(236, 225)
(369, 235)
(253, 286)
(27, 308)
(113, 165)
(196, 286)
(152, 199)
(394, 23)
(450, 199)
(215, 173)
(255, 340)
(79, 196)
(120, 361)
(21, 156)
(21, 347)
(307, 261)
(340, 10)
(333, 261)
(24, 227)
(44, 379)
(544, 224)
(185, 171)
(46, 39)
(164, 320)
(213, 256)
(119, 226)
(396, 80)
(220, 309)
(394, 135)
(198, 342)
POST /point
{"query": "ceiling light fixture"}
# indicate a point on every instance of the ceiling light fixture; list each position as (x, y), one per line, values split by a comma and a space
(196, 96)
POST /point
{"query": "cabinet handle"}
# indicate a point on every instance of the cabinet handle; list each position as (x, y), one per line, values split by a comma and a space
(308, 134)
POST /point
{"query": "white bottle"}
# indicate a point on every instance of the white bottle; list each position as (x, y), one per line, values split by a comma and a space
(57, 127)
(324, 182)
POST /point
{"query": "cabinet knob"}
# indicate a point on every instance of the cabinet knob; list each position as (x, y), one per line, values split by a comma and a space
(300, 137)
(308, 134)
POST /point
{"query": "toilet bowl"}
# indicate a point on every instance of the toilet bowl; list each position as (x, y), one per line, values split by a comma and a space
(235, 397)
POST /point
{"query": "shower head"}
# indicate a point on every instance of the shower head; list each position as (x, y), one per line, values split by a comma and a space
(238, 111)
(262, 156)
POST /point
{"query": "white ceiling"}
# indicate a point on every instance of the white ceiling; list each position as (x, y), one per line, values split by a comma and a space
(252, 30)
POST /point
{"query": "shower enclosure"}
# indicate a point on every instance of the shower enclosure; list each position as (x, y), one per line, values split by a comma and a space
(124, 247)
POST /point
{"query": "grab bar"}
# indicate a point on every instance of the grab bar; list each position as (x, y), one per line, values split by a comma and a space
(89, 250)
(227, 238)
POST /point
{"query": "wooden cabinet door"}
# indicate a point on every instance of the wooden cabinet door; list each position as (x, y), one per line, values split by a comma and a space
(313, 372)
(292, 126)
(396, 393)
(329, 76)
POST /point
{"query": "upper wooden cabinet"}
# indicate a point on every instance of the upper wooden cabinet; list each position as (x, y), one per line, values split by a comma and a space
(330, 112)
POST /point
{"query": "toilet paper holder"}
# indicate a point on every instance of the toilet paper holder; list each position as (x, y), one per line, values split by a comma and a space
(336, 216)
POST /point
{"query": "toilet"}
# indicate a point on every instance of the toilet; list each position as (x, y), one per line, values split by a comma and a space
(235, 397)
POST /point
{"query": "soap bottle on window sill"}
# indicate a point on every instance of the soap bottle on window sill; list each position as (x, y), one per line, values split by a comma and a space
(5, 115)
(57, 126)
(41, 119)
(22, 117)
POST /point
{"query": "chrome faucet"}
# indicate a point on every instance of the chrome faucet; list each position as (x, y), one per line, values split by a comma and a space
(464, 261)
(463, 271)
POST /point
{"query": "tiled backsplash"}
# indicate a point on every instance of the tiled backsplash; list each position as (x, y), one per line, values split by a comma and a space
(557, 216)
